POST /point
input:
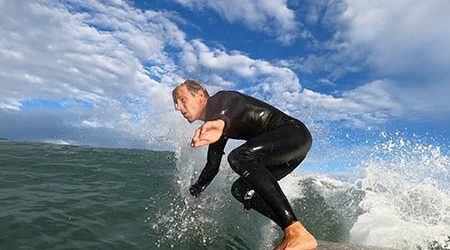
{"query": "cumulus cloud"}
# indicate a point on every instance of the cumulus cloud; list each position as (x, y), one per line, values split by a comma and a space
(270, 16)
(407, 41)
(98, 55)
(110, 69)
(110, 56)
(197, 57)
(371, 103)
(401, 36)
(403, 41)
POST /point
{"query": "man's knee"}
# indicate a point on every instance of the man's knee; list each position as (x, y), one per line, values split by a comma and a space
(233, 159)
(241, 158)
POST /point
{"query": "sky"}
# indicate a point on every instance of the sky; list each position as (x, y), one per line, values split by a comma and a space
(100, 73)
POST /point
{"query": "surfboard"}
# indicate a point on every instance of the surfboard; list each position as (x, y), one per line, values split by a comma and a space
(326, 245)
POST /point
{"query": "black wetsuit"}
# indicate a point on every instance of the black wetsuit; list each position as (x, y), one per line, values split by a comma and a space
(276, 144)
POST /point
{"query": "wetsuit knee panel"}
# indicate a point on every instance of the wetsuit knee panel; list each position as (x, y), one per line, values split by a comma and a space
(241, 159)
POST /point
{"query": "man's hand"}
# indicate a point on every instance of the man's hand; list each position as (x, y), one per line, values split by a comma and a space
(208, 133)
(195, 190)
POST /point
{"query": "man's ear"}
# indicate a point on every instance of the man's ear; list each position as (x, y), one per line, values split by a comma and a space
(201, 94)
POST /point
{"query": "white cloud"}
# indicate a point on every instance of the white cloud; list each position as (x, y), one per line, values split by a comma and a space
(326, 82)
(404, 41)
(270, 16)
(95, 124)
(10, 104)
(402, 36)
(113, 57)
(408, 41)
(429, 100)
(263, 76)
(368, 105)
(55, 52)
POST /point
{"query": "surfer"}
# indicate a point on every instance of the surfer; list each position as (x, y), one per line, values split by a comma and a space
(275, 144)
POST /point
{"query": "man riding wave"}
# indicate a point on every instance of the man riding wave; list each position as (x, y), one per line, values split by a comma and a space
(275, 145)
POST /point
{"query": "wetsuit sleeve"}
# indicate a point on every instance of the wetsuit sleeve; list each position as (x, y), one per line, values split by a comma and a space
(215, 153)
(228, 106)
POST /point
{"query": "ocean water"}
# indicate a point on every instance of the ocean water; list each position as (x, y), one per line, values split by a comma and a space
(75, 197)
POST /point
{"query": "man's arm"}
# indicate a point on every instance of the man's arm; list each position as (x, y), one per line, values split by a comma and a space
(228, 106)
(209, 133)
(215, 153)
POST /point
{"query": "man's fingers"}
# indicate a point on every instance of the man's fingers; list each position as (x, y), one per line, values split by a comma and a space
(196, 137)
(206, 134)
(204, 128)
(201, 143)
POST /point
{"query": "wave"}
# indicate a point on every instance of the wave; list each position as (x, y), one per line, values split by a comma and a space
(401, 190)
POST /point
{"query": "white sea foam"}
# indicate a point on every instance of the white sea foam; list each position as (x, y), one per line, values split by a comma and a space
(193, 219)
(407, 199)
(402, 199)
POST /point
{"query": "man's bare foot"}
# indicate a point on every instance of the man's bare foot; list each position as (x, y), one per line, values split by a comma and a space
(296, 237)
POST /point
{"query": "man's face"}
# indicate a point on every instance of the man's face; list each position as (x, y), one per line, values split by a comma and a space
(190, 106)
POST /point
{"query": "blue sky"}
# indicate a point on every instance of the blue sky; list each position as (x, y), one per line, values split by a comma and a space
(100, 72)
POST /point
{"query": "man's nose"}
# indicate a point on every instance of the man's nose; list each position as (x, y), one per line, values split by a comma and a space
(178, 106)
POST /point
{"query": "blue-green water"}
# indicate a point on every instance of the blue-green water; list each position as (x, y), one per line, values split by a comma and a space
(61, 197)
(72, 197)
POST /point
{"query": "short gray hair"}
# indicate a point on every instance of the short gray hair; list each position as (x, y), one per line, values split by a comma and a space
(192, 86)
